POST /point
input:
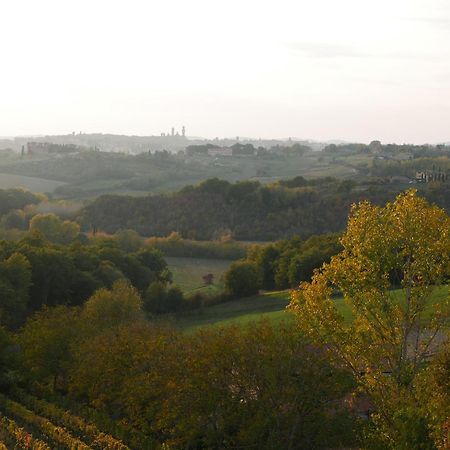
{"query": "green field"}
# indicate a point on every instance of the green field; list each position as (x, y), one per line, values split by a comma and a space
(188, 273)
(270, 305)
(32, 184)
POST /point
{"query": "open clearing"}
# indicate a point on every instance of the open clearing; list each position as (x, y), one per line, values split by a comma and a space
(270, 305)
(8, 181)
(188, 273)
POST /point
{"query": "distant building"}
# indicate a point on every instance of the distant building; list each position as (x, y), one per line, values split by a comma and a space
(35, 148)
(41, 148)
(425, 176)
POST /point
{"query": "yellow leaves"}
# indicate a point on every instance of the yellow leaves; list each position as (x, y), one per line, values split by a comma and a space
(58, 435)
(405, 244)
(22, 438)
(94, 436)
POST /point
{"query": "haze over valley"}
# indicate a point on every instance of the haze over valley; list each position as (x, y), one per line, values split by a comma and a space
(225, 225)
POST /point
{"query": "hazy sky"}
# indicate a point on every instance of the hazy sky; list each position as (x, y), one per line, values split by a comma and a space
(320, 69)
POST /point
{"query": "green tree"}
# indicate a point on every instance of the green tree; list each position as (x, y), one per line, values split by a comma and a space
(242, 279)
(266, 258)
(391, 332)
(15, 282)
(8, 359)
(46, 341)
(174, 299)
(14, 219)
(155, 298)
(108, 273)
(153, 259)
(52, 275)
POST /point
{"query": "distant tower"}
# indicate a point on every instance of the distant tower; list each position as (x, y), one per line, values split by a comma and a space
(173, 131)
(183, 131)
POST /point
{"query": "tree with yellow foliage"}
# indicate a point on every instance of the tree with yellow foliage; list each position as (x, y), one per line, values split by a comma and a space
(394, 259)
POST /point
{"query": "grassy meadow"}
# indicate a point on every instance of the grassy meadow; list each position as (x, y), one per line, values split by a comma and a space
(272, 305)
(188, 273)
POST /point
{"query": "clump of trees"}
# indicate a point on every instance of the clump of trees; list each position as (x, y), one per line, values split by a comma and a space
(217, 388)
(14, 199)
(175, 245)
(37, 272)
(52, 228)
(281, 265)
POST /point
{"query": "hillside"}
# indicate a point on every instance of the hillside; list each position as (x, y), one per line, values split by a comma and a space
(247, 210)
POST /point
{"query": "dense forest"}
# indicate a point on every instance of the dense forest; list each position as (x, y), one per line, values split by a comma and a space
(246, 210)
(35, 272)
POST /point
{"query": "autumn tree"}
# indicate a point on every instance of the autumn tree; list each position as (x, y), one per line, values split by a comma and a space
(46, 341)
(110, 308)
(433, 385)
(54, 229)
(236, 387)
(405, 244)
(254, 386)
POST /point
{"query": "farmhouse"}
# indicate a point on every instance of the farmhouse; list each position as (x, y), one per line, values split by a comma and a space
(425, 176)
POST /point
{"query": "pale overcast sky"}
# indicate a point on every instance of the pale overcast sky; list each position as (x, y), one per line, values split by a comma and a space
(324, 69)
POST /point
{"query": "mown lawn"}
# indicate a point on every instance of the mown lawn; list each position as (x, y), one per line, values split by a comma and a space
(273, 306)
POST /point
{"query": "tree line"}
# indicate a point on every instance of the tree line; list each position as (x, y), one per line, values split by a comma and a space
(245, 210)
(280, 265)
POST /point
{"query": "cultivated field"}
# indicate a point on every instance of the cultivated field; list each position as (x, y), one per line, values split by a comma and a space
(32, 184)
